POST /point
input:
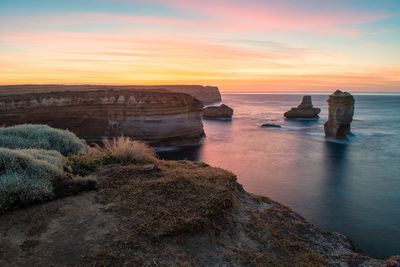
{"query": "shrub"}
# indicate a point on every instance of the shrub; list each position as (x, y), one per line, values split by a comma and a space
(27, 176)
(41, 137)
(126, 150)
(85, 163)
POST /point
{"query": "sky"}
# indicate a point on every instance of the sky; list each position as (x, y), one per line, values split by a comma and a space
(237, 45)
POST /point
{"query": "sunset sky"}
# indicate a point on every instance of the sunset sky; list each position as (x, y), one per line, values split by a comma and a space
(238, 45)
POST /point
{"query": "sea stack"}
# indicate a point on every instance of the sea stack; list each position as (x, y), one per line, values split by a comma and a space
(341, 110)
(304, 110)
(218, 112)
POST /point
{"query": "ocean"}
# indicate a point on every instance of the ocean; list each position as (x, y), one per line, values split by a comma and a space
(352, 186)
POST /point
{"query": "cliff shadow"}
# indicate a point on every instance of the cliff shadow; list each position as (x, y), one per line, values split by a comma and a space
(180, 153)
(335, 197)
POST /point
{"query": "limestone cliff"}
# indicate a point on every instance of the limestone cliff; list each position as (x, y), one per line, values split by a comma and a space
(206, 94)
(341, 110)
(161, 117)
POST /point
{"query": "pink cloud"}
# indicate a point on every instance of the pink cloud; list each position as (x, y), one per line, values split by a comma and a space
(221, 16)
(263, 15)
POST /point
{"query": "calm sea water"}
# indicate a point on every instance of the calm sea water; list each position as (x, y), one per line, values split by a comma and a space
(352, 187)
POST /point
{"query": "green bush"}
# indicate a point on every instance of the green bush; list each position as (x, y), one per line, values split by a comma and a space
(41, 137)
(27, 175)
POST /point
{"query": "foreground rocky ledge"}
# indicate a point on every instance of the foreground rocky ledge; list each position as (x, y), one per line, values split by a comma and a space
(170, 213)
(158, 117)
(206, 94)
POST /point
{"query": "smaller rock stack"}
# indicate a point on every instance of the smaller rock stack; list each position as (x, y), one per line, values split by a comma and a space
(341, 110)
(304, 110)
(218, 112)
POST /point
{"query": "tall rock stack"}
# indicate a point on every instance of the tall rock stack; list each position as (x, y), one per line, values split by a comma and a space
(341, 110)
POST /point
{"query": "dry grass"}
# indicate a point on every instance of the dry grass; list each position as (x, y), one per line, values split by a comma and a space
(125, 149)
(167, 200)
(171, 198)
(121, 150)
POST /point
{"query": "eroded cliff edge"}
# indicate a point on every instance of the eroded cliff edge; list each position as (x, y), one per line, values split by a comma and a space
(158, 117)
(170, 213)
(206, 94)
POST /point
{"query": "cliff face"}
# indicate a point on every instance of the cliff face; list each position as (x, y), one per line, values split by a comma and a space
(157, 117)
(206, 94)
(341, 110)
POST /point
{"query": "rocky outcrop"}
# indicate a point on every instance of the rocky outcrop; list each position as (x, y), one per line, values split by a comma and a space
(174, 214)
(304, 110)
(160, 118)
(206, 94)
(341, 110)
(218, 112)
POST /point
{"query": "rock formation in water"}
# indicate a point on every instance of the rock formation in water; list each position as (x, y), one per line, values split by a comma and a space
(218, 112)
(304, 110)
(206, 94)
(156, 117)
(269, 125)
(341, 110)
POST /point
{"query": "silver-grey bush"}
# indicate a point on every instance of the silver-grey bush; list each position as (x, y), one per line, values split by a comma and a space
(27, 175)
(41, 137)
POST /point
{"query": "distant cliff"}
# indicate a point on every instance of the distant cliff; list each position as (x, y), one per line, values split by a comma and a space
(206, 94)
(159, 117)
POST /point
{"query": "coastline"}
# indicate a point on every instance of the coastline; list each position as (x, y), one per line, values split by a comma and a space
(217, 223)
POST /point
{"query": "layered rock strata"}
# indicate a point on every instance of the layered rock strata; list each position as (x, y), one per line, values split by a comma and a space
(206, 94)
(304, 110)
(218, 112)
(341, 111)
(160, 118)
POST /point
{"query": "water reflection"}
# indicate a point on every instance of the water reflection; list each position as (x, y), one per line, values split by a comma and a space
(335, 191)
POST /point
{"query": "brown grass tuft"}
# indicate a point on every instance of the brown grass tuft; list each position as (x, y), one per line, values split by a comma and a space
(125, 149)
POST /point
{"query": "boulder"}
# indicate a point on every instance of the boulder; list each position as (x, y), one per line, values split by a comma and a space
(341, 110)
(304, 110)
(217, 112)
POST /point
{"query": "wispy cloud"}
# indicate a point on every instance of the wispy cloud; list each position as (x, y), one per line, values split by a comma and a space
(231, 43)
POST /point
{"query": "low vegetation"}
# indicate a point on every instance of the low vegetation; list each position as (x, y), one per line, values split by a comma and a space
(27, 176)
(32, 162)
(33, 168)
(126, 150)
(121, 150)
(170, 197)
(41, 137)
